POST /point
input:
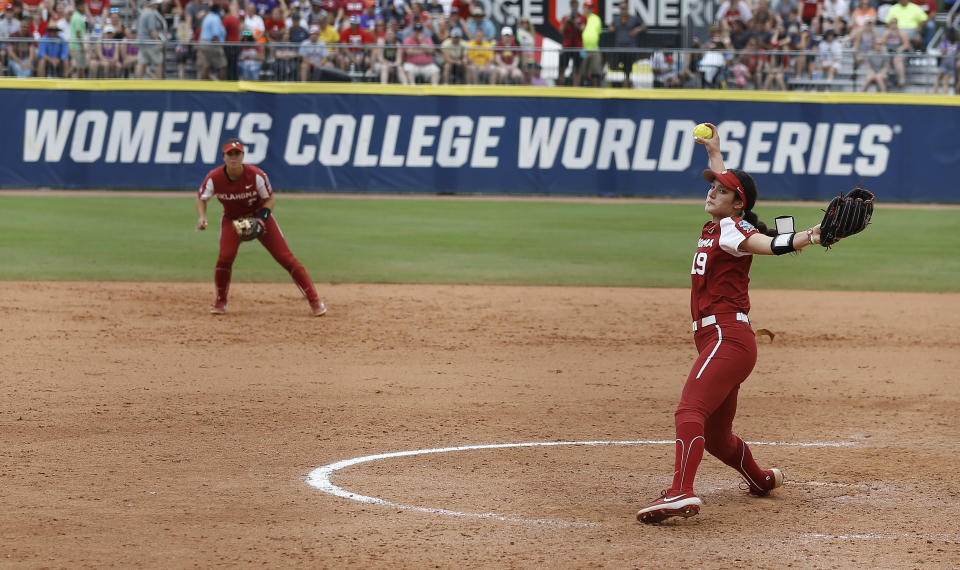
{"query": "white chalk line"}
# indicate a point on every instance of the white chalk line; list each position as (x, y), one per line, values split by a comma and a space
(320, 477)
(945, 538)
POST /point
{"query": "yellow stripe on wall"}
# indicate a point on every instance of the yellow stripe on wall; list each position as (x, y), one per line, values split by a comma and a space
(479, 91)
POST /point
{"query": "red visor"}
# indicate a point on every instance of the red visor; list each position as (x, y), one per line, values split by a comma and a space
(232, 145)
(726, 178)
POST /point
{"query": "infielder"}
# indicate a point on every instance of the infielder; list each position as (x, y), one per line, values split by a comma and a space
(719, 304)
(247, 198)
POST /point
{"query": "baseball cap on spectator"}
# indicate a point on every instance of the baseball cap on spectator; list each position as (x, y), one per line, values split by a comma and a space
(418, 27)
(108, 29)
(588, 3)
(506, 31)
(476, 11)
(354, 19)
(456, 33)
(314, 29)
(9, 5)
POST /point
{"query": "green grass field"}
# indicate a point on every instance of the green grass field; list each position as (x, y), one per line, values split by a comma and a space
(618, 243)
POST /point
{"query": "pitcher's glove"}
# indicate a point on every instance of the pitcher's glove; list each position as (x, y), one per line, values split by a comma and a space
(846, 215)
(248, 228)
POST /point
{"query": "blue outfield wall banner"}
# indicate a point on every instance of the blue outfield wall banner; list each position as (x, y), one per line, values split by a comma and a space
(559, 141)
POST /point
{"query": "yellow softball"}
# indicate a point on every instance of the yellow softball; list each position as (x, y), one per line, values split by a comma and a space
(703, 131)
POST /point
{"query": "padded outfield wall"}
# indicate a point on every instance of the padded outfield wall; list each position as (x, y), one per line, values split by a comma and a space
(517, 140)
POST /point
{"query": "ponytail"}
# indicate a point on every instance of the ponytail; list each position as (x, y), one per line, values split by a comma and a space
(750, 198)
(751, 217)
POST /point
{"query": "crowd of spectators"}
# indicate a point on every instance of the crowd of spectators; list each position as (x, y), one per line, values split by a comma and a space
(753, 44)
(768, 44)
(390, 40)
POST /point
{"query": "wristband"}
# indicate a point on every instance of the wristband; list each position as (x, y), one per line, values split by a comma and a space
(263, 214)
(782, 244)
(810, 236)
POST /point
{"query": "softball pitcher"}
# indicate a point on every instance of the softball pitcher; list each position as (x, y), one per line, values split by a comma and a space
(245, 192)
(719, 305)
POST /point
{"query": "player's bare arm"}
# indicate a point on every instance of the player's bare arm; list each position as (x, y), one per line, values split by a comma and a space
(201, 214)
(761, 244)
(712, 146)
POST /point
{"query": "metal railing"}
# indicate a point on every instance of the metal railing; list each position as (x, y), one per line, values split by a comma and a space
(648, 68)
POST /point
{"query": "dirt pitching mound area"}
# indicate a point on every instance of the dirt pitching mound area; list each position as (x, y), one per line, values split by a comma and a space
(140, 431)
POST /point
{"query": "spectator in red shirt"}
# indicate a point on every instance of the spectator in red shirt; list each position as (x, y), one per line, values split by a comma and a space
(231, 48)
(418, 57)
(571, 28)
(810, 10)
(275, 24)
(462, 8)
(93, 10)
(38, 28)
(355, 58)
(507, 58)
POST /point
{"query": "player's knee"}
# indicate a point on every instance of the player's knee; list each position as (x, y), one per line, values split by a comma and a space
(686, 414)
(288, 263)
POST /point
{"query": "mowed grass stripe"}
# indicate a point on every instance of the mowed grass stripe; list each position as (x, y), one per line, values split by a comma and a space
(451, 241)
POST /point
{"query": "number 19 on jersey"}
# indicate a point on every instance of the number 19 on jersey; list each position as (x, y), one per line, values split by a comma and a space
(699, 263)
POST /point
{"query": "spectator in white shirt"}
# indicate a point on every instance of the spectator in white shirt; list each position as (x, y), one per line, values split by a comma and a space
(252, 21)
(830, 52)
(313, 54)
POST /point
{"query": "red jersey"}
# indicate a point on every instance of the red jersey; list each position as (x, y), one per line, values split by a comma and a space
(720, 273)
(352, 8)
(96, 7)
(241, 197)
(231, 25)
(332, 7)
(274, 28)
(462, 7)
(38, 31)
(356, 37)
(508, 55)
(572, 30)
(809, 9)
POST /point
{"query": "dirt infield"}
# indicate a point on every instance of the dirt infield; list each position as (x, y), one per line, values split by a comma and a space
(139, 431)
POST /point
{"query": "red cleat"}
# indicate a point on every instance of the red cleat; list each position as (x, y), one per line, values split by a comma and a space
(671, 503)
(773, 479)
